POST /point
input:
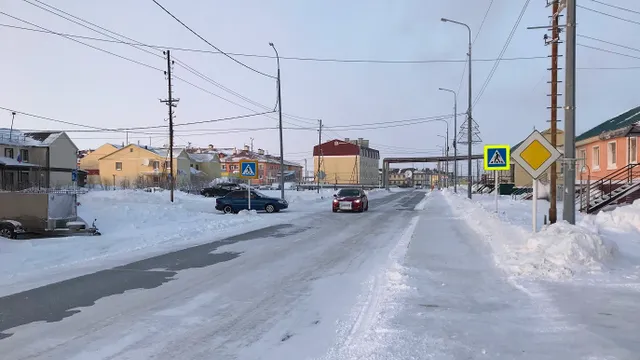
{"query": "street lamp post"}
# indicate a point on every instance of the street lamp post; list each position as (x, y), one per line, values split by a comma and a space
(280, 124)
(469, 115)
(445, 151)
(455, 129)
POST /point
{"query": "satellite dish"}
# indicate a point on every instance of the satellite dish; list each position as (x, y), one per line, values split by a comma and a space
(408, 174)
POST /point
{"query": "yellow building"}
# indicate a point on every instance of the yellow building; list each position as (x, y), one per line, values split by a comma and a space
(90, 162)
(133, 165)
(347, 162)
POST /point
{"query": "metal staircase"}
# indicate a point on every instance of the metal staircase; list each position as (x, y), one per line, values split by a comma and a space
(611, 188)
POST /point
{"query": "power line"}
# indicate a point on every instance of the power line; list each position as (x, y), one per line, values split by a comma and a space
(210, 44)
(464, 69)
(608, 42)
(609, 51)
(609, 15)
(137, 45)
(616, 7)
(504, 49)
(290, 58)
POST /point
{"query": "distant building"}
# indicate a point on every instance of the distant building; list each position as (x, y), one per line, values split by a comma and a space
(268, 166)
(347, 162)
(36, 159)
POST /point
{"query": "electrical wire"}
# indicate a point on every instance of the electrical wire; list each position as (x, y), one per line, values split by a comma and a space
(616, 7)
(289, 58)
(504, 49)
(210, 44)
(609, 15)
(609, 42)
(609, 51)
(138, 45)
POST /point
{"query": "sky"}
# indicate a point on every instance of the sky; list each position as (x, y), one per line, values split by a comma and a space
(54, 77)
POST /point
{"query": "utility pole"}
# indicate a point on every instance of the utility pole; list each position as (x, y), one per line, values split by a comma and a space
(569, 212)
(555, 39)
(280, 122)
(127, 137)
(319, 153)
(251, 144)
(13, 117)
(171, 102)
(304, 178)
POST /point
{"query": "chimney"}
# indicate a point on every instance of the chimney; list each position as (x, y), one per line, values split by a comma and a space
(360, 141)
(235, 151)
(365, 143)
(246, 148)
(260, 151)
(347, 140)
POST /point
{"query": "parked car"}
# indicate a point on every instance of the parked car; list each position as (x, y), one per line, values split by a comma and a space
(350, 200)
(219, 190)
(238, 200)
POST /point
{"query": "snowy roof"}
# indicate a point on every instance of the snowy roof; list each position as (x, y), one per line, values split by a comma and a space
(248, 155)
(205, 157)
(13, 162)
(165, 152)
(196, 172)
(36, 139)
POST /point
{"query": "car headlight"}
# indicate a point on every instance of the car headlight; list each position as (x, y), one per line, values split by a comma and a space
(357, 201)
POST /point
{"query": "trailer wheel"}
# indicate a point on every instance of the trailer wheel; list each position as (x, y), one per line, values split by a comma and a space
(7, 231)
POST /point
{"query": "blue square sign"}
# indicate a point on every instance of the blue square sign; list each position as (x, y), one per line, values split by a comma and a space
(497, 157)
(248, 169)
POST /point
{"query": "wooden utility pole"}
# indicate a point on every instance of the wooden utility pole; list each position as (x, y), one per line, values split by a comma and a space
(553, 171)
(171, 102)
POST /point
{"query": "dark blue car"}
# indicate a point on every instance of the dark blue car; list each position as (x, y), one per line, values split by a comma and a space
(238, 200)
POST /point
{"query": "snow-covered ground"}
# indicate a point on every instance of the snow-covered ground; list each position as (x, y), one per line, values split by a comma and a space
(136, 224)
(604, 244)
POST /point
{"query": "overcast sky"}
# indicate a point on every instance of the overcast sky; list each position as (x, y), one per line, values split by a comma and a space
(51, 76)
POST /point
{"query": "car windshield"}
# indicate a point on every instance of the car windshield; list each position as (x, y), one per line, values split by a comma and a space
(259, 193)
(349, 192)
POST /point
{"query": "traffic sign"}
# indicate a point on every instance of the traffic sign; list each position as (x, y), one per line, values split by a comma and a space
(497, 157)
(249, 169)
(74, 175)
(321, 175)
(536, 154)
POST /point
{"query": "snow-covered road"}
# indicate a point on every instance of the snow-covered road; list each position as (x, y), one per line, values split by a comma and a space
(274, 293)
(410, 279)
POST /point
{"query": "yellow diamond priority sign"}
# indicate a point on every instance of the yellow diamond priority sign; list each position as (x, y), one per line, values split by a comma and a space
(535, 154)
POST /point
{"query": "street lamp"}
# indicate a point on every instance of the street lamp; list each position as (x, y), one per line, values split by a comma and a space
(455, 129)
(469, 115)
(280, 124)
(445, 151)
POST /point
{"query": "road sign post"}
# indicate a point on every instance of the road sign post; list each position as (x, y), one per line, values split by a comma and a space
(497, 158)
(535, 154)
(249, 170)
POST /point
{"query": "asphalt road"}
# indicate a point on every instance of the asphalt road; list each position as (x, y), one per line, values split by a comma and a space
(284, 258)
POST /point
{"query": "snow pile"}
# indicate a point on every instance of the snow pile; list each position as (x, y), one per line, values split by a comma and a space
(557, 251)
(623, 218)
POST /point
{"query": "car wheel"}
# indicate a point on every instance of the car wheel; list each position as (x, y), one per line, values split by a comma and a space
(8, 232)
(335, 210)
(228, 209)
(270, 208)
(366, 207)
(207, 195)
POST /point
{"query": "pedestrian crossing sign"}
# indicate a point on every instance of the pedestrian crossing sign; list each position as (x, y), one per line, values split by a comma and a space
(497, 157)
(249, 169)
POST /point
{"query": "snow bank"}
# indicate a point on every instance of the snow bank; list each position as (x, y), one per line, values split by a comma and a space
(557, 251)
(623, 218)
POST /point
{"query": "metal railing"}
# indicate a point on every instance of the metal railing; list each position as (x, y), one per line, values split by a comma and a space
(604, 188)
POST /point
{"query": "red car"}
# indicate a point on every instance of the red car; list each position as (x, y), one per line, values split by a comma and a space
(350, 200)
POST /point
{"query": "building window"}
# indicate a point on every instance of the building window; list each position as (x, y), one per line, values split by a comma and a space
(224, 167)
(611, 155)
(8, 152)
(582, 159)
(156, 165)
(118, 166)
(633, 150)
(24, 155)
(197, 167)
(595, 159)
(167, 164)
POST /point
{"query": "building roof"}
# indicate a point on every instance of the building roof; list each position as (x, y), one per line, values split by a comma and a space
(203, 157)
(6, 161)
(249, 155)
(165, 152)
(623, 120)
(33, 139)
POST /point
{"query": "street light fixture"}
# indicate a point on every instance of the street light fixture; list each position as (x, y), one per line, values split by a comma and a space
(469, 115)
(445, 151)
(280, 124)
(455, 129)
